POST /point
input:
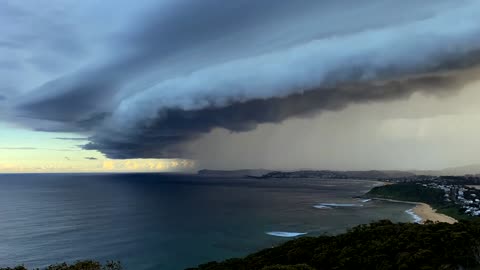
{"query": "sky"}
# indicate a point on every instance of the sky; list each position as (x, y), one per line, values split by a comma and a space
(177, 85)
(26, 151)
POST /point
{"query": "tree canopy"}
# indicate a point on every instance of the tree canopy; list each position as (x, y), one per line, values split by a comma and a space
(379, 245)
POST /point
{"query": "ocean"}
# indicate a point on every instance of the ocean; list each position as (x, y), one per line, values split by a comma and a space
(168, 221)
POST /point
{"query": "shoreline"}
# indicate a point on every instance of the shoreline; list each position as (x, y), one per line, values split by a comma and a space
(423, 212)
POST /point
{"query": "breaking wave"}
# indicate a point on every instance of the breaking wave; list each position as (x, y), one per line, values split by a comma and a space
(334, 205)
(416, 218)
(285, 234)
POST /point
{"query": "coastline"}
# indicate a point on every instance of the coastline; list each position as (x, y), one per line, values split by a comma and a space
(423, 212)
(426, 212)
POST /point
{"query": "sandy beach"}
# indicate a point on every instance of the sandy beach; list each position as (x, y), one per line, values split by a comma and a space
(425, 212)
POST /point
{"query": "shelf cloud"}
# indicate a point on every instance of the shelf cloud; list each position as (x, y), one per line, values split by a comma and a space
(179, 69)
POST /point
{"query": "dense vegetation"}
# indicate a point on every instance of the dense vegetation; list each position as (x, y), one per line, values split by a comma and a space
(380, 245)
(409, 192)
(81, 265)
(418, 193)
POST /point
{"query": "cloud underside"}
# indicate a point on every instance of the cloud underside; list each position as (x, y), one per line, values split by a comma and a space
(164, 136)
(150, 101)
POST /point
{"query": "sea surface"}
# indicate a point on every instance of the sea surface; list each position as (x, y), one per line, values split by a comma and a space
(170, 222)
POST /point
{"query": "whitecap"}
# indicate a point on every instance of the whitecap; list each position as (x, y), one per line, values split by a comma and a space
(321, 205)
(416, 218)
(285, 234)
(366, 200)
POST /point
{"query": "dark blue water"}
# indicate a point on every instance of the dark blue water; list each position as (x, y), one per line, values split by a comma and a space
(168, 222)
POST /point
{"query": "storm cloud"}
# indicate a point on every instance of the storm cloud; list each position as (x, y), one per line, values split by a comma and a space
(163, 74)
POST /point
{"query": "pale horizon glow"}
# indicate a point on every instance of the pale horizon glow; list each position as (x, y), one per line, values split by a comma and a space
(25, 151)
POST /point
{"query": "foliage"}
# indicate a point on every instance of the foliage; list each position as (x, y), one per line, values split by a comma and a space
(409, 192)
(380, 245)
(289, 267)
(80, 265)
(418, 193)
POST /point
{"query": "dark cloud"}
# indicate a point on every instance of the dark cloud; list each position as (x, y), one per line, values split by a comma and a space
(71, 139)
(39, 43)
(51, 34)
(161, 37)
(181, 68)
(74, 98)
(9, 45)
(90, 158)
(12, 11)
(10, 64)
(164, 44)
(164, 137)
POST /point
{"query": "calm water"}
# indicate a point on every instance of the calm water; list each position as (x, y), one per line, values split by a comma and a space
(168, 222)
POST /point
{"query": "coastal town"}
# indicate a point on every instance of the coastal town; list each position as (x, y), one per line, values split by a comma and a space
(461, 191)
(468, 198)
(457, 196)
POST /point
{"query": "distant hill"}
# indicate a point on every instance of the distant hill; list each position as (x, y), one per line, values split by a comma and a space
(379, 174)
(233, 173)
(326, 174)
(473, 169)
(330, 174)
